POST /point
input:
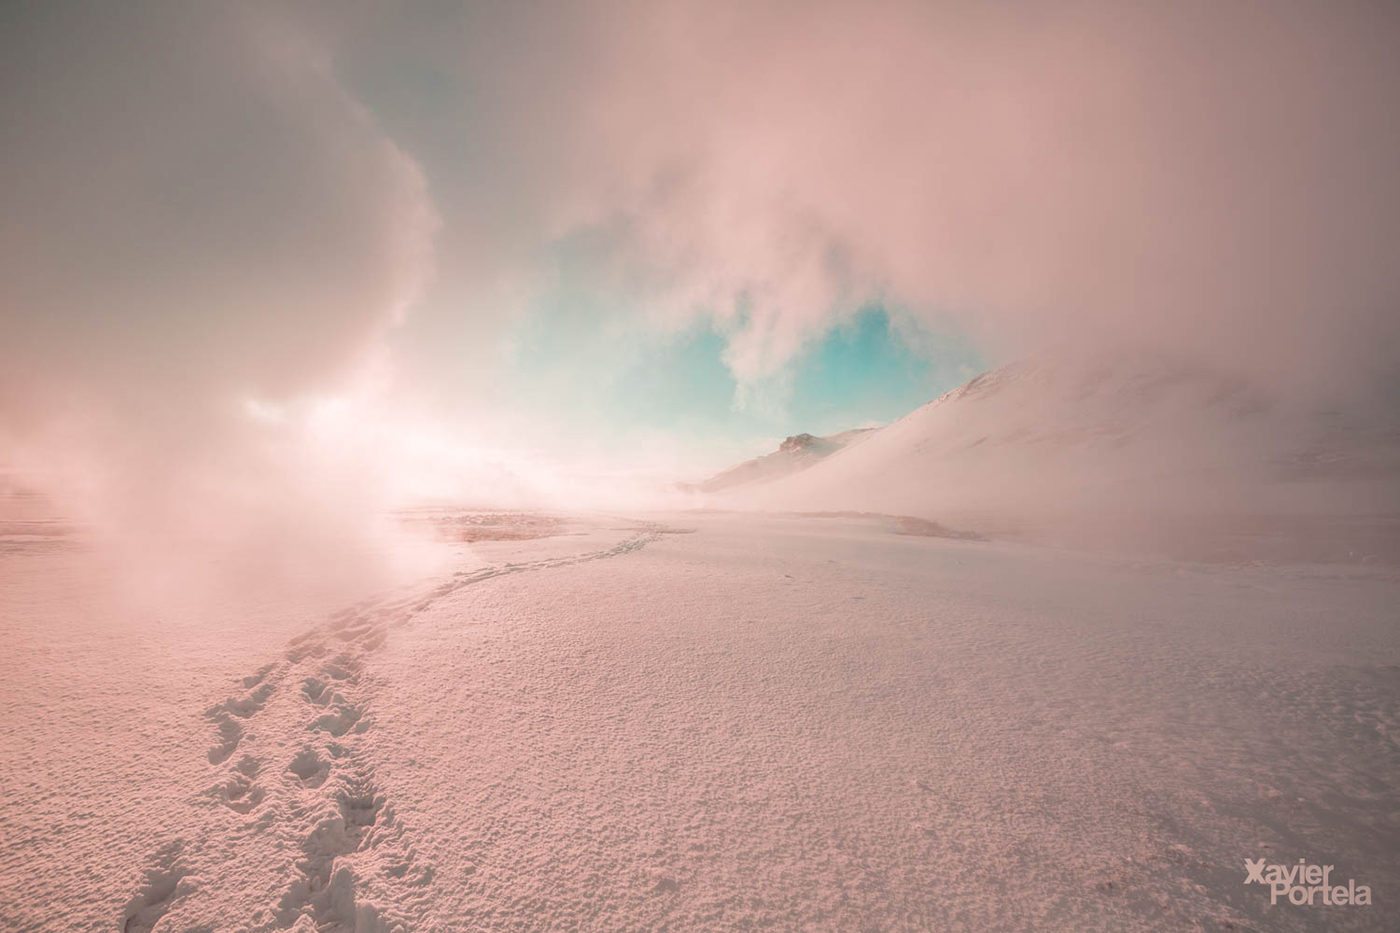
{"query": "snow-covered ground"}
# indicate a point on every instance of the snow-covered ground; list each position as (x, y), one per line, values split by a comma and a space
(702, 721)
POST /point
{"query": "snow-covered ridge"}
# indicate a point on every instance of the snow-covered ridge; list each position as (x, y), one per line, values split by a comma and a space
(794, 454)
(1077, 439)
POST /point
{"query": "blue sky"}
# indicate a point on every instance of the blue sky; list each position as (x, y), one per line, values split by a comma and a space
(589, 363)
(582, 358)
(592, 370)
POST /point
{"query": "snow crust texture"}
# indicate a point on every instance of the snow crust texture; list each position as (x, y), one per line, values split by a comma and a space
(708, 721)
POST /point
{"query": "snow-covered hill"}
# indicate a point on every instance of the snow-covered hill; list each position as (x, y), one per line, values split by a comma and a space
(793, 455)
(1137, 445)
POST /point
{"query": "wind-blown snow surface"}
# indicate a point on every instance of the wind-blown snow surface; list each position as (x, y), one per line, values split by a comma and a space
(761, 723)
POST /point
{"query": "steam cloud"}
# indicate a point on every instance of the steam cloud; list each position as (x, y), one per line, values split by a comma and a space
(1215, 178)
(199, 216)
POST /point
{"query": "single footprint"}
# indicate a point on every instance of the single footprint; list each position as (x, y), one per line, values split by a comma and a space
(350, 633)
(342, 667)
(240, 794)
(167, 879)
(257, 676)
(317, 691)
(344, 717)
(230, 734)
(302, 649)
(360, 808)
(309, 768)
(243, 707)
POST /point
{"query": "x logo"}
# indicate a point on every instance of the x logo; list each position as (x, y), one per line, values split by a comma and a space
(1255, 869)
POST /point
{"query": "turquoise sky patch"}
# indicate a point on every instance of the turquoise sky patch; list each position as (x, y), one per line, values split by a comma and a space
(595, 370)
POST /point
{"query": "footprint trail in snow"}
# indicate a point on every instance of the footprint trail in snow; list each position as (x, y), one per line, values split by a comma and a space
(289, 744)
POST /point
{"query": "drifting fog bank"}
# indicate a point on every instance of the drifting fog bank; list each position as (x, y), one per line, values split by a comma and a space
(246, 250)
